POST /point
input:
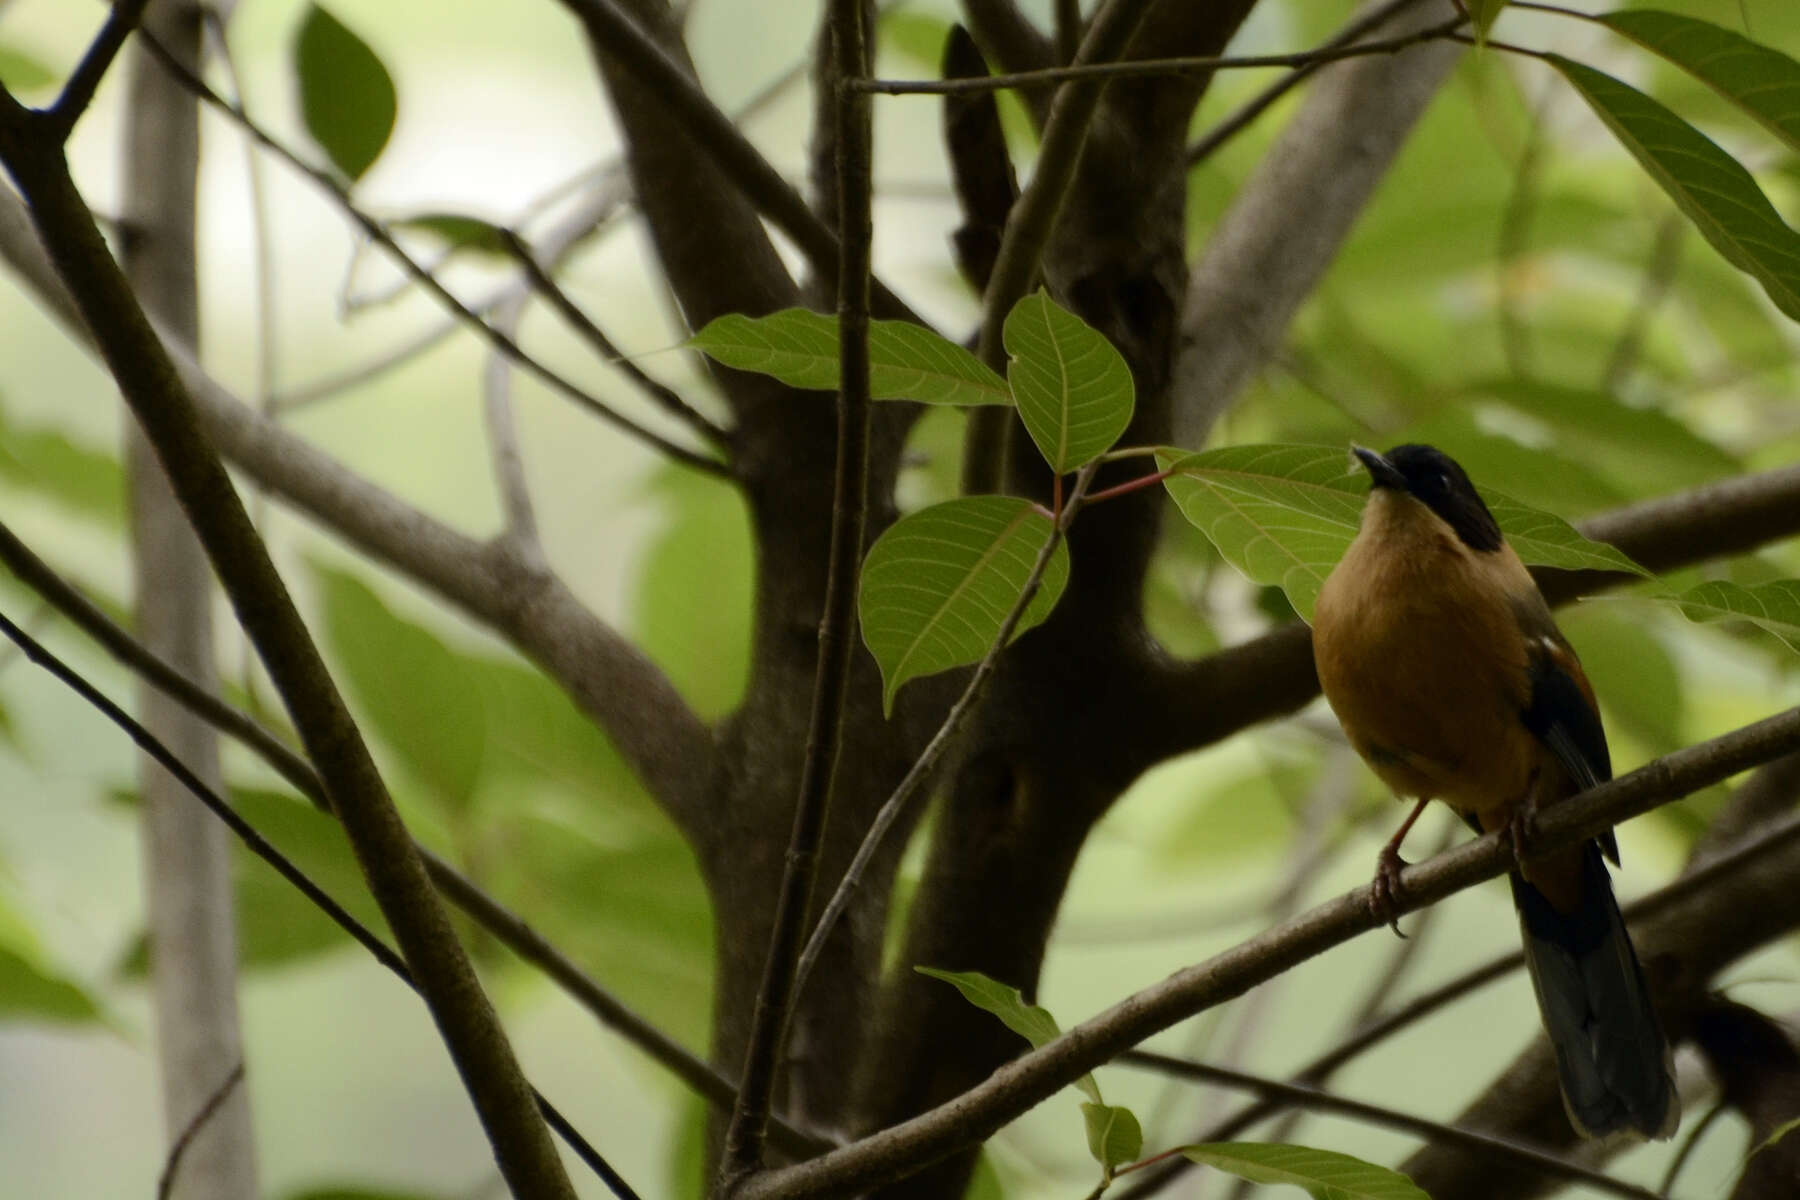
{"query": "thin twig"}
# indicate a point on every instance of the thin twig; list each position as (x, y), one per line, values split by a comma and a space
(1253, 108)
(165, 1183)
(1140, 68)
(518, 517)
(850, 58)
(940, 742)
(610, 191)
(966, 1119)
(1318, 1100)
(84, 81)
(263, 849)
(742, 162)
(670, 401)
(383, 237)
(507, 927)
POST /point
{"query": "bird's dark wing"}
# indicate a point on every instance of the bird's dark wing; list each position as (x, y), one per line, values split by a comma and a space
(1561, 714)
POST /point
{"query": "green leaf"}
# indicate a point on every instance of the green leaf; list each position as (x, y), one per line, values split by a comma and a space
(1715, 191)
(459, 232)
(1073, 388)
(21, 72)
(1324, 1174)
(800, 348)
(1484, 13)
(85, 481)
(1032, 1022)
(1114, 1136)
(412, 688)
(277, 926)
(938, 584)
(29, 992)
(1762, 81)
(1284, 515)
(346, 95)
(1546, 540)
(1775, 606)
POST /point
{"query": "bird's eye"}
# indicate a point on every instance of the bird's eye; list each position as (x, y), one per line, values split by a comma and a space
(1444, 481)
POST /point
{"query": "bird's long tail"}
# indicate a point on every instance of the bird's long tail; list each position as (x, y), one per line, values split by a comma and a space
(1611, 1055)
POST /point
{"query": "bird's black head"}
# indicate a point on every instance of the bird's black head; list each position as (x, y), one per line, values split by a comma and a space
(1433, 478)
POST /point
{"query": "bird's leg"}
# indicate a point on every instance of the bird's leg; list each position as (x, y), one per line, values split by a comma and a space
(1520, 824)
(1384, 889)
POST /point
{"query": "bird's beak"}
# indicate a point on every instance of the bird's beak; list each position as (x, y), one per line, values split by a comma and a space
(1381, 471)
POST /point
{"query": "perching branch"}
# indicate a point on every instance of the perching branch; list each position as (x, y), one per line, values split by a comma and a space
(1032, 1078)
(851, 53)
(265, 850)
(379, 233)
(148, 379)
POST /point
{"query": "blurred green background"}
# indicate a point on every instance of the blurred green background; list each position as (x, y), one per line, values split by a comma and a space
(1436, 324)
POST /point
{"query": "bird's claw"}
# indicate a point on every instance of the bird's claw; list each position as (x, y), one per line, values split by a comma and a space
(1384, 889)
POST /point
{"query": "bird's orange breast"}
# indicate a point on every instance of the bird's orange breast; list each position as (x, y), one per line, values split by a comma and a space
(1421, 658)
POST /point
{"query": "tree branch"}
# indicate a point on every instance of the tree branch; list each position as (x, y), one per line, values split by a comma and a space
(511, 930)
(263, 849)
(1268, 253)
(147, 377)
(1317, 1100)
(79, 91)
(702, 121)
(627, 696)
(849, 511)
(1150, 68)
(379, 233)
(1032, 1078)
(186, 854)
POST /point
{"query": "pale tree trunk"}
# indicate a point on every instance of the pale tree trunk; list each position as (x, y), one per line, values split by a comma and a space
(187, 862)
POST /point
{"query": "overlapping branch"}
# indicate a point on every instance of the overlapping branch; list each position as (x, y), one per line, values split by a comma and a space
(1032, 1078)
(670, 748)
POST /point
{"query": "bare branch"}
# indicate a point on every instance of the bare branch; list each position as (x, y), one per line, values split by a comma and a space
(1269, 252)
(668, 746)
(1032, 1078)
(1147, 68)
(1065, 132)
(383, 237)
(79, 91)
(665, 397)
(854, 135)
(508, 928)
(165, 1183)
(1318, 1100)
(701, 120)
(263, 849)
(1260, 103)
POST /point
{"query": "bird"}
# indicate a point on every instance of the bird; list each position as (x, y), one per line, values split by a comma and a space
(1441, 661)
